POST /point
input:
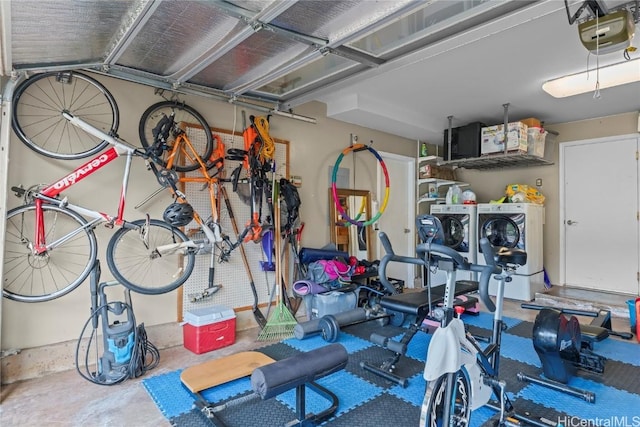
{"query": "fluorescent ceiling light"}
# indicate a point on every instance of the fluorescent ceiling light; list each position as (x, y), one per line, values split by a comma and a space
(609, 76)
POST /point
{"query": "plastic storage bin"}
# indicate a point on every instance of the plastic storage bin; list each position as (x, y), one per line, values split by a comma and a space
(330, 303)
(210, 328)
(631, 303)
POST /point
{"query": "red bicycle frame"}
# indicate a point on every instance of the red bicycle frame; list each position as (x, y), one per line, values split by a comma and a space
(48, 195)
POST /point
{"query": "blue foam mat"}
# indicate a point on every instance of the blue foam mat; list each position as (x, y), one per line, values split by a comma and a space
(173, 399)
(485, 320)
(610, 404)
(167, 392)
(622, 351)
(351, 390)
(351, 343)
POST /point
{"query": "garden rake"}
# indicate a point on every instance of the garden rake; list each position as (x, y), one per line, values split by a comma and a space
(281, 322)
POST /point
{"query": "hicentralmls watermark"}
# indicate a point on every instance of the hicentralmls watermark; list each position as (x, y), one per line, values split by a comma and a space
(614, 421)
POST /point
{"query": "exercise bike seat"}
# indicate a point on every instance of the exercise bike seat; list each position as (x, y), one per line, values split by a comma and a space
(505, 256)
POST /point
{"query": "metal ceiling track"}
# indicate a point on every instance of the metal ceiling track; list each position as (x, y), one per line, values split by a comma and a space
(599, 8)
(5, 36)
(148, 79)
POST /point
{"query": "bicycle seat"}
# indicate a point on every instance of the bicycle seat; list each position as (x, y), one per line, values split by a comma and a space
(505, 256)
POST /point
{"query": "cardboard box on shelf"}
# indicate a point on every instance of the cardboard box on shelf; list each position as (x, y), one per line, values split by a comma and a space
(492, 141)
(440, 172)
(532, 122)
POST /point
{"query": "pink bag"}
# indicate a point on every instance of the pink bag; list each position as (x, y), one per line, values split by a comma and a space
(336, 269)
(326, 271)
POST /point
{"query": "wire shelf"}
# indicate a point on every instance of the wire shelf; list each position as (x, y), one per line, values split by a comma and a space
(509, 160)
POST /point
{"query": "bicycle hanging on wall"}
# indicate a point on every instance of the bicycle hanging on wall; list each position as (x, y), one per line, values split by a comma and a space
(50, 246)
(177, 135)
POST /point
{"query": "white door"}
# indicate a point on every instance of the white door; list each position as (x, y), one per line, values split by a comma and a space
(600, 221)
(398, 219)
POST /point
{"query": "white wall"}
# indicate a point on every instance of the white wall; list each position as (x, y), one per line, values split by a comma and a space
(313, 149)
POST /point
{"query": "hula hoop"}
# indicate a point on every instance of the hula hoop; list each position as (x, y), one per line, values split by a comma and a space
(363, 208)
(334, 188)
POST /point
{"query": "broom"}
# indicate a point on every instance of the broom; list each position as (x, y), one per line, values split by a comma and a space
(281, 322)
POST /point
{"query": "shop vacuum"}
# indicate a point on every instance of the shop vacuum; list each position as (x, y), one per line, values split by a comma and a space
(126, 352)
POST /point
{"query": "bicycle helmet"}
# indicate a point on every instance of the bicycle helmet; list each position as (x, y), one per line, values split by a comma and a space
(178, 214)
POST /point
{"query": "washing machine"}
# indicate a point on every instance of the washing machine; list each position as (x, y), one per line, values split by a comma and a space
(459, 224)
(515, 225)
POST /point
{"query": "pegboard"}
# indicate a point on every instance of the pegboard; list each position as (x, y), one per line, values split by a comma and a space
(232, 275)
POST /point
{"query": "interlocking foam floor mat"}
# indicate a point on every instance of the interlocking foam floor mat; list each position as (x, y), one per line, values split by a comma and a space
(366, 399)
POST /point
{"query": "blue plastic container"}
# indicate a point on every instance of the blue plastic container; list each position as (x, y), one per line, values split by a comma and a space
(632, 312)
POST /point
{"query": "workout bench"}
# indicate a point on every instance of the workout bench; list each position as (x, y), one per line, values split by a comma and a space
(269, 378)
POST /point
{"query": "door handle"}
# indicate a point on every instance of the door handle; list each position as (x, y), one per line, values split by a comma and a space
(407, 231)
(569, 222)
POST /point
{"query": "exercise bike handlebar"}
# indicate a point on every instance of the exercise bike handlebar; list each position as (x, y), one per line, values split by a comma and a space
(425, 250)
(461, 263)
(390, 256)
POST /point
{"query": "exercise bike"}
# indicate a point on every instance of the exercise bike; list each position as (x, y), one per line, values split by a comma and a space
(462, 377)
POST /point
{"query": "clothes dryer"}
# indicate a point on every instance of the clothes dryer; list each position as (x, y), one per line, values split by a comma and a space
(459, 224)
(515, 225)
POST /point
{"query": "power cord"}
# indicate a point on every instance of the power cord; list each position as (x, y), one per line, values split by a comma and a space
(145, 355)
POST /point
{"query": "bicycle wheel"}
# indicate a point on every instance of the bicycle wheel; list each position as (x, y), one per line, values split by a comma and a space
(39, 101)
(433, 406)
(135, 263)
(30, 277)
(186, 119)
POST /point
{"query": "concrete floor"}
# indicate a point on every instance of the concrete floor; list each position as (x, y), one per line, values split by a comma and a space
(65, 399)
